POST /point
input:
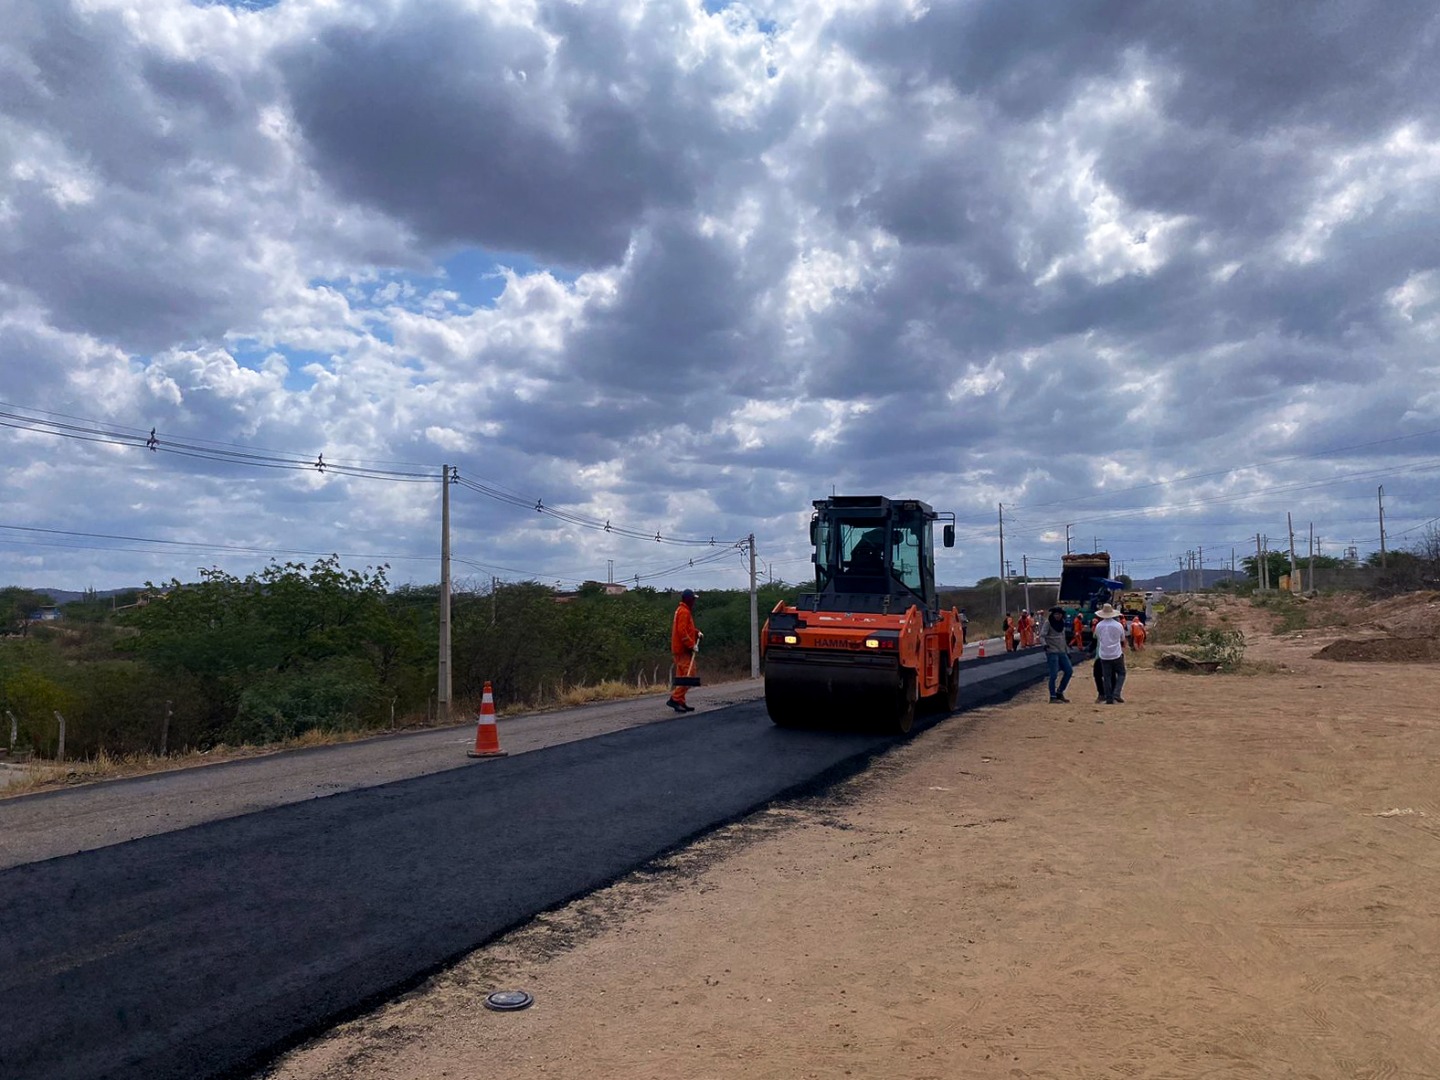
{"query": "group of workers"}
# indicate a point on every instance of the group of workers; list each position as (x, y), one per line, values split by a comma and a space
(1132, 631)
(1020, 633)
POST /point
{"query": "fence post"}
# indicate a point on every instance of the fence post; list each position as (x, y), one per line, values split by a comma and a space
(60, 749)
(14, 729)
(165, 732)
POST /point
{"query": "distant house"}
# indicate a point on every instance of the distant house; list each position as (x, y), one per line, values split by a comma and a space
(144, 598)
(612, 588)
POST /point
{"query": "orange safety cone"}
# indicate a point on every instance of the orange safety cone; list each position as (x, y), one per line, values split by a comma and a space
(980, 651)
(487, 735)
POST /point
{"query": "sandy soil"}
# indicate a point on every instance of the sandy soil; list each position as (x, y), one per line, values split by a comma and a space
(1227, 876)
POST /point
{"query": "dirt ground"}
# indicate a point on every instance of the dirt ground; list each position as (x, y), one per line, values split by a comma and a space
(1226, 876)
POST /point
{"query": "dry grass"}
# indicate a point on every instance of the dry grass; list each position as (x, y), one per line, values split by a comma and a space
(610, 690)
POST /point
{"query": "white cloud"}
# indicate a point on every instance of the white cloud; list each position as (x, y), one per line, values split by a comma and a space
(690, 269)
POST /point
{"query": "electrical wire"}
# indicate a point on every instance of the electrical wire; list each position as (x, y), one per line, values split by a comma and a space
(572, 517)
(86, 430)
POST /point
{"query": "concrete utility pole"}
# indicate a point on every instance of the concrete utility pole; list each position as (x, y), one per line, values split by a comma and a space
(1184, 577)
(1295, 566)
(754, 616)
(1025, 572)
(1383, 564)
(1201, 564)
(1312, 556)
(1002, 559)
(442, 690)
(1259, 573)
(1067, 538)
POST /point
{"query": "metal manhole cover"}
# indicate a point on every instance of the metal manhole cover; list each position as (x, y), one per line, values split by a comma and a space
(508, 1000)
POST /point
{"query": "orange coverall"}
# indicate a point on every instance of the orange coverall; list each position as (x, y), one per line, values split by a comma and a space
(683, 639)
(1137, 634)
(1078, 638)
(1027, 631)
(1009, 634)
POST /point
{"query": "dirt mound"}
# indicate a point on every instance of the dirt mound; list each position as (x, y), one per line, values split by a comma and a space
(1414, 614)
(1383, 650)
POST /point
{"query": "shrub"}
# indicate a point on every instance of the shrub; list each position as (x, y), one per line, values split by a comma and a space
(1225, 647)
(284, 705)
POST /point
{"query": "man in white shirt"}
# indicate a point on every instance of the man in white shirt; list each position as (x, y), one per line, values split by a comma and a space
(1110, 649)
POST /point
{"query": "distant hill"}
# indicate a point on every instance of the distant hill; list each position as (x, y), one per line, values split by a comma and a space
(1178, 582)
(65, 596)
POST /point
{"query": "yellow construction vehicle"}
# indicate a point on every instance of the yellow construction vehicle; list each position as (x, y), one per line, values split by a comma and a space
(870, 644)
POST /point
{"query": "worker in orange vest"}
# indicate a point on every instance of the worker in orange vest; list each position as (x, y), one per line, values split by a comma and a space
(684, 640)
(1027, 630)
(1137, 634)
(1078, 636)
(1009, 632)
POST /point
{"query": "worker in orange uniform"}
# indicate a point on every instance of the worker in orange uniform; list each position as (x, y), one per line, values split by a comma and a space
(1009, 628)
(1077, 632)
(1137, 634)
(684, 640)
(1025, 630)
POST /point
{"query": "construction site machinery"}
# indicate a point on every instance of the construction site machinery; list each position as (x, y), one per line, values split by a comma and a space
(870, 644)
(1085, 585)
(1134, 603)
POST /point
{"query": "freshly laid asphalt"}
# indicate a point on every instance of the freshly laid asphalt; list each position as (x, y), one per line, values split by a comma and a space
(203, 952)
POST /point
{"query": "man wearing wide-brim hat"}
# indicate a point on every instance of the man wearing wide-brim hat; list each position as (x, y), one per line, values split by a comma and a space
(1110, 651)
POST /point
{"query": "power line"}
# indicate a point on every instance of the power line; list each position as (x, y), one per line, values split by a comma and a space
(83, 429)
(572, 517)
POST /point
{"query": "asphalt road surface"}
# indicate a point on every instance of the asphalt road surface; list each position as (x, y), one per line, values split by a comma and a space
(203, 951)
(70, 820)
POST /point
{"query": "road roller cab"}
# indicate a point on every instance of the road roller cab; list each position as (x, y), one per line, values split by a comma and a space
(870, 643)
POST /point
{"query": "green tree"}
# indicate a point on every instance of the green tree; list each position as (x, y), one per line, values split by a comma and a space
(16, 607)
(272, 650)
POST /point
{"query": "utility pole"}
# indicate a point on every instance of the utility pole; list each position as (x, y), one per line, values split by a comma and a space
(1025, 570)
(1201, 585)
(1382, 527)
(754, 616)
(1294, 566)
(1265, 540)
(1312, 556)
(1184, 577)
(442, 691)
(1259, 574)
(1067, 538)
(1002, 559)
(494, 598)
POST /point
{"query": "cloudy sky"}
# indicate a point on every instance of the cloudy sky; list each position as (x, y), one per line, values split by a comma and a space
(1163, 272)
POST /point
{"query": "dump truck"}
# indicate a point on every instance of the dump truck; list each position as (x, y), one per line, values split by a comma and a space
(870, 644)
(1085, 585)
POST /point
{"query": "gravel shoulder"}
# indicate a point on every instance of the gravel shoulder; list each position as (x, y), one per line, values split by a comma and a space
(70, 820)
(1225, 876)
